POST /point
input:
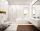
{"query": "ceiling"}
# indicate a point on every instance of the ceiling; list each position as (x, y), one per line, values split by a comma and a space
(19, 2)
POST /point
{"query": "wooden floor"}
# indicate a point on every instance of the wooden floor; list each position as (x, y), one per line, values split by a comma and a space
(27, 28)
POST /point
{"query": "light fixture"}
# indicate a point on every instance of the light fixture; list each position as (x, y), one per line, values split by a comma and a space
(25, 10)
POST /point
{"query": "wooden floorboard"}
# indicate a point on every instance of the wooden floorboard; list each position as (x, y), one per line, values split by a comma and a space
(27, 28)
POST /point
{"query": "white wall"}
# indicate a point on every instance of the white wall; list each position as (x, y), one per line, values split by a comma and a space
(12, 13)
(17, 11)
(20, 14)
